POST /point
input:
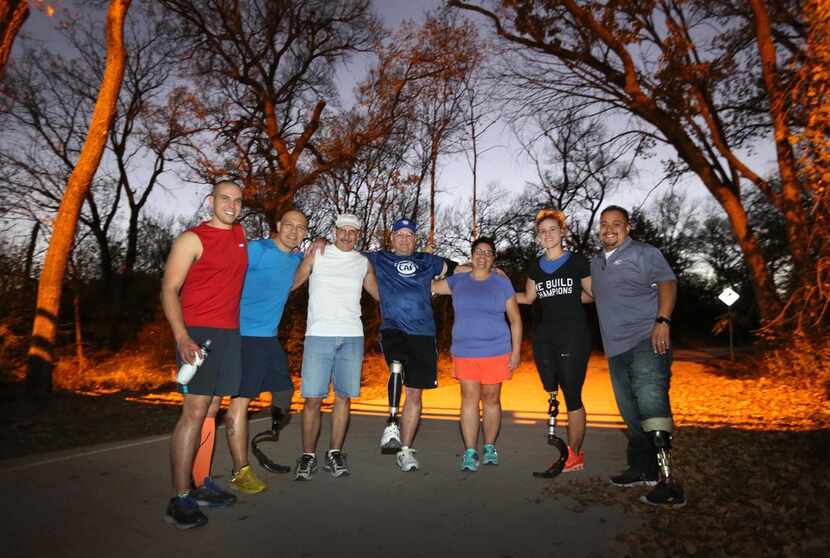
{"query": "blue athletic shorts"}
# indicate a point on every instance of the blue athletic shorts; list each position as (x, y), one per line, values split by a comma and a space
(264, 367)
(332, 360)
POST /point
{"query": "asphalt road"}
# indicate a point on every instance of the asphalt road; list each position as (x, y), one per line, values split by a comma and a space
(110, 500)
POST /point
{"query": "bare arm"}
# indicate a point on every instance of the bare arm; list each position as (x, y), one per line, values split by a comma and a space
(441, 287)
(666, 297)
(370, 282)
(529, 294)
(302, 273)
(587, 294)
(515, 319)
(186, 250)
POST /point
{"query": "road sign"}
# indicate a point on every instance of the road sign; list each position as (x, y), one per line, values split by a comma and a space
(728, 296)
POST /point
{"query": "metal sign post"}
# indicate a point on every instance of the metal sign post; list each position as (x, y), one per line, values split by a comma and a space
(729, 297)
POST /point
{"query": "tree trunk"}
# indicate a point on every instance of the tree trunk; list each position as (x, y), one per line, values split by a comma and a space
(41, 359)
(432, 186)
(30, 253)
(13, 14)
(79, 338)
(790, 191)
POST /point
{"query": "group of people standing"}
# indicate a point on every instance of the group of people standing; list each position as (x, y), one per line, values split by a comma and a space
(220, 287)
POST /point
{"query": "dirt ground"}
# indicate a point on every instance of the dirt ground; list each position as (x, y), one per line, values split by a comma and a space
(753, 454)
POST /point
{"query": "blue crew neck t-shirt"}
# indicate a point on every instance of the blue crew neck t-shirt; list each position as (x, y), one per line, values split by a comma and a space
(405, 285)
(480, 328)
(268, 283)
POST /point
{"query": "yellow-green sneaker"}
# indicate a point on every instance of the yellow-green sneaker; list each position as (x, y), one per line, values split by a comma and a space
(245, 480)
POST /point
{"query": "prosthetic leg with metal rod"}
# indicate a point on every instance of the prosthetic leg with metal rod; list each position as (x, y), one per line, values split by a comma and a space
(554, 440)
(390, 440)
(668, 492)
(279, 420)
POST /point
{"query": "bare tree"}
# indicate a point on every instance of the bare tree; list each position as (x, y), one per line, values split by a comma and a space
(660, 62)
(265, 70)
(578, 165)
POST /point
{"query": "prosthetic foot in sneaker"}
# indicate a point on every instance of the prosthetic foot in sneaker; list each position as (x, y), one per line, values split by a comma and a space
(390, 440)
(667, 494)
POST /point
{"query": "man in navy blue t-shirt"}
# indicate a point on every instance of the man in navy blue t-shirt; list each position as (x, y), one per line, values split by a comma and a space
(407, 332)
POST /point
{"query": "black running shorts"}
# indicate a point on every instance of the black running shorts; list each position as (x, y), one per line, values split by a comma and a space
(417, 353)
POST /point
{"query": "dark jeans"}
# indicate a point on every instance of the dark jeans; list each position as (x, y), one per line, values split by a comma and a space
(641, 379)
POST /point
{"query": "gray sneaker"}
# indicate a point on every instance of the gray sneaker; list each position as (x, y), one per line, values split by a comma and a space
(336, 464)
(306, 467)
(406, 460)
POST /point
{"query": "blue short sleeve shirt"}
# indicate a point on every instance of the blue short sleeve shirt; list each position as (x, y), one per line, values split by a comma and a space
(405, 285)
(480, 328)
(268, 281)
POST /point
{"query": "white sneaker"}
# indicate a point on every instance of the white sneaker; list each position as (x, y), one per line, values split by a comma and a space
(391, 437)
(406, 459)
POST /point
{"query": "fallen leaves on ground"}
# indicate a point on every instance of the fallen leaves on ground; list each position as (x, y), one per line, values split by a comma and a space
(753, 456)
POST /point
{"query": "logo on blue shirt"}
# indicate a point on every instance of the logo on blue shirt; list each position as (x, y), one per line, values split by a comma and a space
(407, 268)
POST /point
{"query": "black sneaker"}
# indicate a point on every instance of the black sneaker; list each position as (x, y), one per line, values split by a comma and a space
(630, 477)
(184, 513)
(211, 495)
(306, 467)
(667, 494)
(336, 464)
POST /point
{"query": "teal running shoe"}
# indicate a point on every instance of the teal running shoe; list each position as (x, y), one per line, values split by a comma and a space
(491, 456)
(469, 462)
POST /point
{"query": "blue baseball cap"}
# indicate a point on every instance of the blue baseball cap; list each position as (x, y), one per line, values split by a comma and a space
(403, 224)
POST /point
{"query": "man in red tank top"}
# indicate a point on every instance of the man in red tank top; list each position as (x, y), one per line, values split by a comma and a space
(200, 294)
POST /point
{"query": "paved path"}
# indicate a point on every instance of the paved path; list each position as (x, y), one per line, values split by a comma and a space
(109, 501)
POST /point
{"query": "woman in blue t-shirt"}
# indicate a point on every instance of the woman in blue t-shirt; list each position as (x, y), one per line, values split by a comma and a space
(485, 350)
(560, 281)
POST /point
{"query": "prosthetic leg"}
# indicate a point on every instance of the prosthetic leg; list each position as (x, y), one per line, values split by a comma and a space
(668, 492)
(279, 420)
(554, 440)
(390, 441)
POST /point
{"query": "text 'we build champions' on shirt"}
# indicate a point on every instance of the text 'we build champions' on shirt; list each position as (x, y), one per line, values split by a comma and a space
(559, 295)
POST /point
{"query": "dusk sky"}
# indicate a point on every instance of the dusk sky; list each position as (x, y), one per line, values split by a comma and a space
(504, 164)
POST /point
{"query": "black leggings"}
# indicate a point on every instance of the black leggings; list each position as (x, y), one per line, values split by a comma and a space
(562, 362)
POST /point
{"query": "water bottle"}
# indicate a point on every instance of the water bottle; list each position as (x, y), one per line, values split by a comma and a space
(187, 370)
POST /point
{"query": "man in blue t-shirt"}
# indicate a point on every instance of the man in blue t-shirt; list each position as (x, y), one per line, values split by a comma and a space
(270, 277)
(407, 332)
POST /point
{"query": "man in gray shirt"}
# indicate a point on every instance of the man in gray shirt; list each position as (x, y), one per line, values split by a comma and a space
(635, 291)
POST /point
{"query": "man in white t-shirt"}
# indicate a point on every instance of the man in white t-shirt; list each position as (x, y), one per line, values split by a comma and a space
(333, 351)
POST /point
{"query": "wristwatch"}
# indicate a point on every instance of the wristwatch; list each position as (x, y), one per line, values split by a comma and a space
(663, 320)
